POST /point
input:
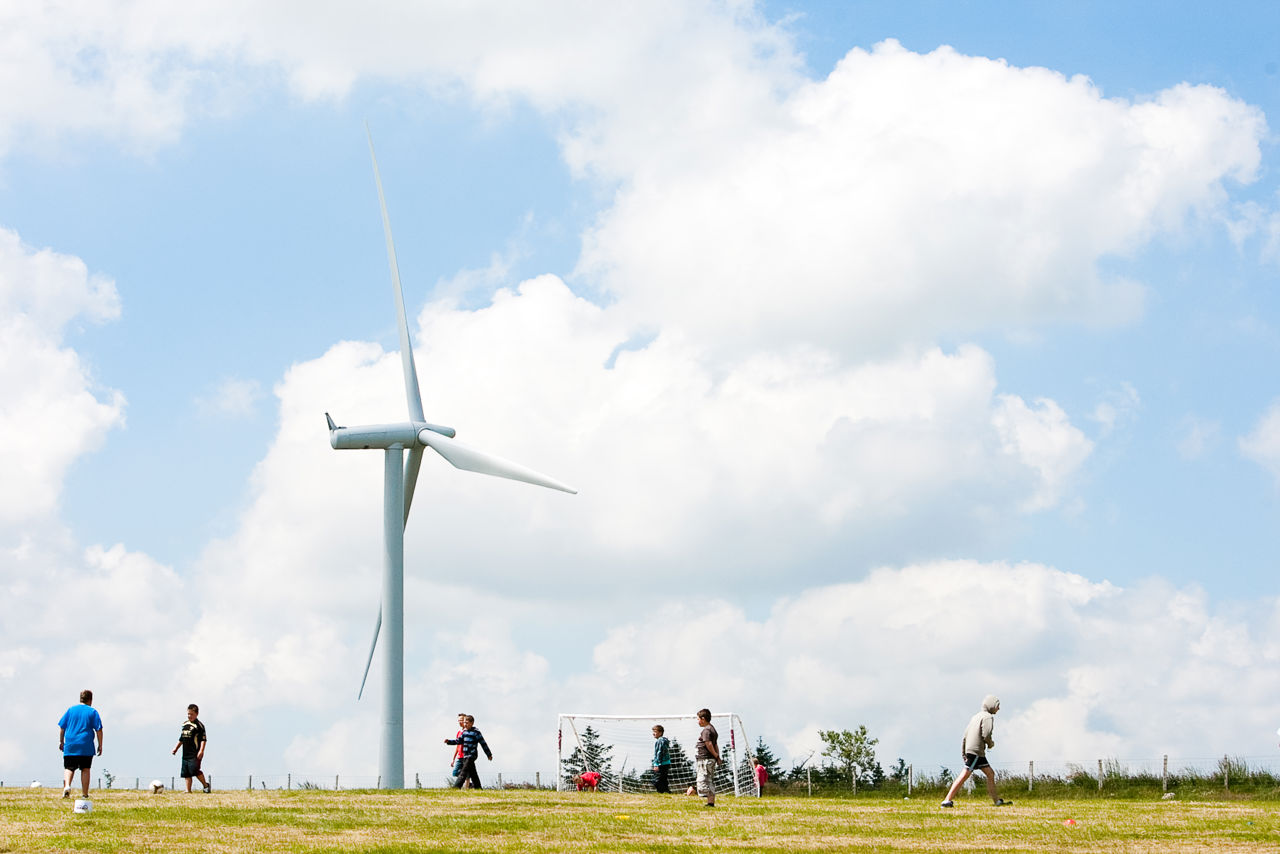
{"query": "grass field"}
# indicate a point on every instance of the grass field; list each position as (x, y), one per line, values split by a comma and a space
(442, 820)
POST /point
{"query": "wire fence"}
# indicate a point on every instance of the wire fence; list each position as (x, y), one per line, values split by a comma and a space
(107, 780)
(1029, 772)
(1163, 766)
(1253, 773)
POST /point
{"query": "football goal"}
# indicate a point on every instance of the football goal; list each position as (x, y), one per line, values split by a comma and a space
(620, 749)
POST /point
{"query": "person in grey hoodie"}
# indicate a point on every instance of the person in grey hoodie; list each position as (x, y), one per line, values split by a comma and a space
(978, 736)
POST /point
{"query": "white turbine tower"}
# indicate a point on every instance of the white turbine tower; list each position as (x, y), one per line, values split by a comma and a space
(400, 477)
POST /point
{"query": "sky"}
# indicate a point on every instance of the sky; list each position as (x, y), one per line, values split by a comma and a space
(901, 353)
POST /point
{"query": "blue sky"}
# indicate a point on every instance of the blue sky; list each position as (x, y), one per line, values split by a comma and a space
(850, 340)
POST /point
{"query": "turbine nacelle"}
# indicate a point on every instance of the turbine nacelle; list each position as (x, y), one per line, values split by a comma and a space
(403, 435)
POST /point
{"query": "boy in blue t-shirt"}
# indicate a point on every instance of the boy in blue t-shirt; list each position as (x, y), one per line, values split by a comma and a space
(661, 760)
(471, 741)
(76, 731)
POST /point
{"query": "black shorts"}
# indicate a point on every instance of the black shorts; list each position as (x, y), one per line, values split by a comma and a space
(76, 763)
(190, 768)
(973, 761)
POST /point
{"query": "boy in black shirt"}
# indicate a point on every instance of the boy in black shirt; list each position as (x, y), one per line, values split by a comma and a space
(192, 741)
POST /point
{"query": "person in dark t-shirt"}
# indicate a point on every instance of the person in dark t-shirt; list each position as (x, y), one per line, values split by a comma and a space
(192, 740)
(707, 756)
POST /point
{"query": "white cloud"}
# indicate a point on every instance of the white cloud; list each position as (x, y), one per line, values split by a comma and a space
(136, 70)
(907, 196)
(1080, 666)
(903, 197)
(106, 619)
(1044, 440)
(48, 391)
(676, 462)
(1262, 444)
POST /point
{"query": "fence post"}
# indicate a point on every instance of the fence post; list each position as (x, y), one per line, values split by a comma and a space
(173, 779)
(1164, 775)
(537, 779)
(855, 779)
(1099, 775)
(1031, 774)
(137, 782)
(335, 782)
(251, 782)
(500, 783)
(290, 778)
(809, 773)
(910, 775)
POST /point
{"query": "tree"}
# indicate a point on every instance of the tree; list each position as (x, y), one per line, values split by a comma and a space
(722, 774)
(591, 755)
(682, 769)
(898, 773)
(765, 757)
(853, 753)
(799, 770)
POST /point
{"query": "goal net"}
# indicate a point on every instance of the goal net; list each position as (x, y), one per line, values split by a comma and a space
(620, 749)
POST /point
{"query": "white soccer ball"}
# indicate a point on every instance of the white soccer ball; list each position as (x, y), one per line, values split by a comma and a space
(156, 787)
(35, 784)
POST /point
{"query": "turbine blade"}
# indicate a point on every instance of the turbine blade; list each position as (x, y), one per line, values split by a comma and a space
(377, 627)
(411, 390)
(469, 459)
(411, 467)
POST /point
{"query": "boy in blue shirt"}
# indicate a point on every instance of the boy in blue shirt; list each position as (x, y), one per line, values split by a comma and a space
(661, 760)
(76, 731)
(471, 740)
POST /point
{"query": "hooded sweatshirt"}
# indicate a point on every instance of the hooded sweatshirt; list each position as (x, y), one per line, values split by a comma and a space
(978, 735)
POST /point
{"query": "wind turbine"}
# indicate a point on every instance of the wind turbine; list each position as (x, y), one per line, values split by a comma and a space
(399, 478)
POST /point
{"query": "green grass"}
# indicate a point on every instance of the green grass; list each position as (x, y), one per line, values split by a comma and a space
(431, 820)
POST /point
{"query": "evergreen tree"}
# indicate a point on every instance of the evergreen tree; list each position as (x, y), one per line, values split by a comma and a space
(765, 757)
(682, 769)
(591, 755)
(722, 776)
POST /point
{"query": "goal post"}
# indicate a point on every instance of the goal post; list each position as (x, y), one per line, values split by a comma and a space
(620, 749)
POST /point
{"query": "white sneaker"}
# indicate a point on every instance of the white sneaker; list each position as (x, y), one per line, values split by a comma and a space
(66, 791)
